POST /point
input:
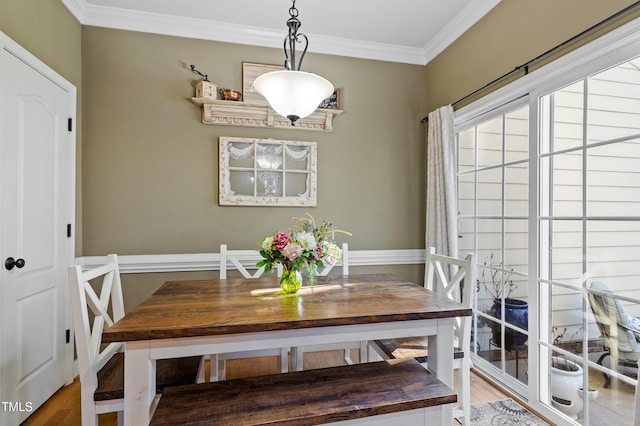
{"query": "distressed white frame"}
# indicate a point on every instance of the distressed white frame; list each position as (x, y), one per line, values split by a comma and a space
(227, 196)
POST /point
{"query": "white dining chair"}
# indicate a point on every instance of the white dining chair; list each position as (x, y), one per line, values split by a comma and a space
(297, 353)
(456, 279)
(243, 261)
(96, 303)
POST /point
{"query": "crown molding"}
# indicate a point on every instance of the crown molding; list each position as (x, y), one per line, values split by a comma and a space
(124, 19)
(458, 26)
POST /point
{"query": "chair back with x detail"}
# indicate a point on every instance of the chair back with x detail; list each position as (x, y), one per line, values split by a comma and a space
(447, 276)
(456, 279)
(297, 353)
(242, 260)
(102, 367)
(91, 358)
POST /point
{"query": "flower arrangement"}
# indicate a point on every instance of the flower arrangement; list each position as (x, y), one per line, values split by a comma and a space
(305, 247)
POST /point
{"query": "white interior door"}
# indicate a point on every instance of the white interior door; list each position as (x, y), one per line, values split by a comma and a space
(35, 176)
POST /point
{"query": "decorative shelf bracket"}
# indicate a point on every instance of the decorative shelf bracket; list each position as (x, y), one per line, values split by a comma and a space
(243, 114)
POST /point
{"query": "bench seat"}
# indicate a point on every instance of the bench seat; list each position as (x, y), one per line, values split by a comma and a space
(177, 371)
(409, 347)
(303, 398)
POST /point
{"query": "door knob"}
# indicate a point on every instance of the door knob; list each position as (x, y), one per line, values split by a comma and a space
(11, 262)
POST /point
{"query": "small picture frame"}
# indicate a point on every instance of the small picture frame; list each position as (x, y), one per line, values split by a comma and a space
(250, 72)
(332, 102)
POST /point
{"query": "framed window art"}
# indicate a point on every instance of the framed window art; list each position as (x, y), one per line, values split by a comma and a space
(267, 172)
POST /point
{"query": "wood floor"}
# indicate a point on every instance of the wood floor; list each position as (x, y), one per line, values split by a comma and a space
(64, 407)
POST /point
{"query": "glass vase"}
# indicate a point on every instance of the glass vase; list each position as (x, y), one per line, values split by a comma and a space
(290, 281)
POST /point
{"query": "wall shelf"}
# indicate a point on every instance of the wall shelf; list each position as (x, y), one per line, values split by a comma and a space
(243, 114)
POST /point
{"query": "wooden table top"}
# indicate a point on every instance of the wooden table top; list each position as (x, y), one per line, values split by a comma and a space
(238, 305)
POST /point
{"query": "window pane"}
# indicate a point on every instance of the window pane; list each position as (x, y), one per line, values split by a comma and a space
(613, 176)
(490, 192)
(516, 200)
(466, 194)
(614, 254)
(516, 253)
(490, 143)
(466, 231)
(567, 184)
(568, 117)
(614, 103)
(297, 185)
(566, 251)
(241, 183)
(466, 149)
(517, 135)
(489, 233)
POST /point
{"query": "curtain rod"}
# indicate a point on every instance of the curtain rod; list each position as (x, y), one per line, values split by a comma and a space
(525, 67)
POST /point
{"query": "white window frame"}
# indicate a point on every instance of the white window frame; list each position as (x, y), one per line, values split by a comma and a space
(615, 47)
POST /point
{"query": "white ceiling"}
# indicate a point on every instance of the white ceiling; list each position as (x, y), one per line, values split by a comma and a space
(407, 31)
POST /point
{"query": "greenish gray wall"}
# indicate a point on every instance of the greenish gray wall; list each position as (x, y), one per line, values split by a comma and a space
(50, 32)
(150, 167)
(510, 35)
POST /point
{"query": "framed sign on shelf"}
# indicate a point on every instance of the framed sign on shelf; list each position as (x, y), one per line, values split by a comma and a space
(250, 72)
(267, 172)
(332, 102)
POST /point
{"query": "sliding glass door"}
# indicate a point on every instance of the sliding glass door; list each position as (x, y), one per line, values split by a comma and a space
(493, 182)
(589, 226)
(549, 199)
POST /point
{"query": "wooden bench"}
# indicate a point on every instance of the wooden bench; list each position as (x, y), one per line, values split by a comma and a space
(178, 371)
(398, 392)
(409, 347)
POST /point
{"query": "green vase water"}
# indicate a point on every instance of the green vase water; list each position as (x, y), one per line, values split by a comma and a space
(290, 281)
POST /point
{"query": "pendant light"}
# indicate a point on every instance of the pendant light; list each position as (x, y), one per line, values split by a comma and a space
(293, 93)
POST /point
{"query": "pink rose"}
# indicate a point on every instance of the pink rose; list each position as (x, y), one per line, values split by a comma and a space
(280, 240)
(292, 251)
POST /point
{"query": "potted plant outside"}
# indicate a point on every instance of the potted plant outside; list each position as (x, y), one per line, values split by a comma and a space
(567, 393)
(516, 312)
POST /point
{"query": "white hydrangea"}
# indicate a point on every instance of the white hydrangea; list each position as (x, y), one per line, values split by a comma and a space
(306, 240)
(267, 244)
(331, 252)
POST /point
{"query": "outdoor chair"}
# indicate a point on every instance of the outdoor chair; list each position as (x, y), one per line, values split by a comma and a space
(620, 332)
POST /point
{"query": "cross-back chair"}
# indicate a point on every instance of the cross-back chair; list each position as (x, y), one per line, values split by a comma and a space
(242, 261)
(297, 353)
(620, 332)
(454, 278)
(102, 366)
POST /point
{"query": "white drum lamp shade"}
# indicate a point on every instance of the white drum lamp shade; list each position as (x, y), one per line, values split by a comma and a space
(293, 94)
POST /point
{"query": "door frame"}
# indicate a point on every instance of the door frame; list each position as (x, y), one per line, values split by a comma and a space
(8, 46)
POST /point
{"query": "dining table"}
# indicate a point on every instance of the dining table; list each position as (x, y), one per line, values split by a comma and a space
(212, 316)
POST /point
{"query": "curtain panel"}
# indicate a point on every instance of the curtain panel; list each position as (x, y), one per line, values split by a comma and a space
(441, 218)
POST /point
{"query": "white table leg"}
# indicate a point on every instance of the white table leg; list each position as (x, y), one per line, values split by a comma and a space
(139, 383)
(441, 360)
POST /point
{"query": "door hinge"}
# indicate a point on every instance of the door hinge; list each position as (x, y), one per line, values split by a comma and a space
(68, 335)
(70, 124)
(68, 230)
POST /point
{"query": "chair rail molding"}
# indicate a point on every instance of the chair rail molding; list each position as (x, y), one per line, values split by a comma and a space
(139, 264)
